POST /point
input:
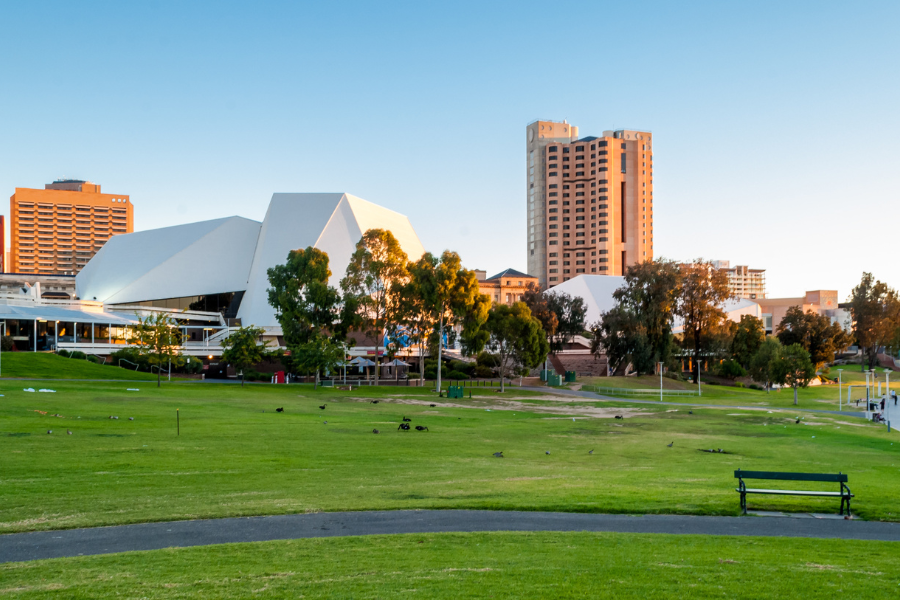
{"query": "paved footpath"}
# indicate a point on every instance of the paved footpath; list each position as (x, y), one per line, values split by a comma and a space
(153, 536)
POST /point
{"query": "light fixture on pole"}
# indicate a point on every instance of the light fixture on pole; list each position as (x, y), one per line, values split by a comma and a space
(660, 381)
(840, 393)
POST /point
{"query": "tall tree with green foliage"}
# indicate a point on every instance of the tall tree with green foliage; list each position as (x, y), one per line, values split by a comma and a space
(158, 338)
(701, 297)
(762, 365)
(748, 337)
(639, 329)
(538, 303)
(374, 281)
(794, 368)
(875, 308)
(570, 312)
(447, 295)
(516, 338)
(816, 333)
(313, 318)
(243, 348)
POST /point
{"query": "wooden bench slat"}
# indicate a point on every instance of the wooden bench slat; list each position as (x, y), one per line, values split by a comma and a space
(792, 492)
(782, 476)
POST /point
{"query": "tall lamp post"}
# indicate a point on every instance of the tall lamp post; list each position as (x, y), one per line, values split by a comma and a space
(660, 381)
(840, 392)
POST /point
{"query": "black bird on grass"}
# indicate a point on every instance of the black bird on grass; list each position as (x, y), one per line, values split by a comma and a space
(670, 445)
(69, 431)
(547, 452)
(421, 428)
(49, 431)
(404, 426)
(432, 405)
(375, 431)
(374, 401)
(499, 454)
(405, 420)
(619, 417)
(279, 409)
(322, 407)
(590, 451)
(798, 420)
(690, 412)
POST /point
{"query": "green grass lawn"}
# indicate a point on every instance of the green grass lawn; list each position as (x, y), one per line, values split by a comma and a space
(43, 365)
(233, 459)
(482, 565)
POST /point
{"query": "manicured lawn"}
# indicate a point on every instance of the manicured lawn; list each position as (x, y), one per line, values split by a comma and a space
(498, 565)
(42, 365)
(237, 456)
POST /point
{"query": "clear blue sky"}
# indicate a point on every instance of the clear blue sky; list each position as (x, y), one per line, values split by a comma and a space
(775, 123)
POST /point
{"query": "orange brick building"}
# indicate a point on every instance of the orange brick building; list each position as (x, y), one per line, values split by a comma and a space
(57, 230)
(589, 201)
(505, 287)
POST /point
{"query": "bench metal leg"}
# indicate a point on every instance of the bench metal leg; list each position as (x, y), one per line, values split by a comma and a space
(743, 503)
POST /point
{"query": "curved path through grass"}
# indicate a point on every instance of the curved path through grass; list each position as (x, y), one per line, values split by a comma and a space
(180, 534)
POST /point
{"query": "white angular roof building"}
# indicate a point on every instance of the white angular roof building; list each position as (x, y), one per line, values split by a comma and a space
(227, 259)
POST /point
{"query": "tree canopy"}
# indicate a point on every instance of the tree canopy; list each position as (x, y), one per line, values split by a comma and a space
(158, 338)
(875, 308)
(375, 277)
(793, 368)
(313, 318)
(516, 338)
(701, 296)
(748, 337)
(814, 332)
(243, 348)
(441, 294)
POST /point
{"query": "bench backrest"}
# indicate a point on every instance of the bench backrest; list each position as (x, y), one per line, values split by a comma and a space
(839, 477)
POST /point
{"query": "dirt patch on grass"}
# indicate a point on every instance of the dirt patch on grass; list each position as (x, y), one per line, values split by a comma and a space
(510, 404)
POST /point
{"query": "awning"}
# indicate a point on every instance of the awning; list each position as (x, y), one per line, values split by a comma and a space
(361, 362)
(398, 363)
(55, 313)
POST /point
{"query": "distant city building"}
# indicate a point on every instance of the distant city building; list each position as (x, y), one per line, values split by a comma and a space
(823, 302)
(58, 229)
(743, 281)
(505, 287)
(589, 201)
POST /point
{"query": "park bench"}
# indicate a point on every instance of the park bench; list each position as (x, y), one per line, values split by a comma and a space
(844, 493)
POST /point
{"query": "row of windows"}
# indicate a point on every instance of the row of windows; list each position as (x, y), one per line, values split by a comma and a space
(600, 144)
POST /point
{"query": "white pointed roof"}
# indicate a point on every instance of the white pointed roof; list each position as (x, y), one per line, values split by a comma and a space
(596, 290)
(333, 223)
(208, 257)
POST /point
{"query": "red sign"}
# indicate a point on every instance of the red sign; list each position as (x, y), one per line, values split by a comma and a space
(371, 352)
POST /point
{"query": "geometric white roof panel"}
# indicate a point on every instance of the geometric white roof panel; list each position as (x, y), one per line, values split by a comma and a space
(596, 290)
(333, 223)
(208, 257)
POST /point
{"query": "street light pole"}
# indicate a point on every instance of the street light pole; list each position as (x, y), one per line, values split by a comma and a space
(840, 392)
(660, 382)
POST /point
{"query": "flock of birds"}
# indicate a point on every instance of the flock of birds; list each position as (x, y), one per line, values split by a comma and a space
(404, 425)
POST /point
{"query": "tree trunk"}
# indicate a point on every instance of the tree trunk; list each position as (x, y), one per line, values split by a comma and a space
(440, 348)
(316, 381)
(377, 359)
(242, 378)
(795, 395)
(157, 377)
(422, 362)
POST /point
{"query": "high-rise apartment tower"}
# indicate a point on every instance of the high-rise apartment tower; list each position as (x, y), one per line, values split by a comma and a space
(58, 229)
(589, 201)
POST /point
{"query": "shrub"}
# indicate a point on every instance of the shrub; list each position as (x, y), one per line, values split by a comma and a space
(456, 375)
(431, 373)
(753, 386)
(483, 372)
(78, 354)
(95, 359)
(731, 369)
(739, 384)
(486, 359)
(63, 353)
(674, 375)
(462, 366)
(132, 356)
